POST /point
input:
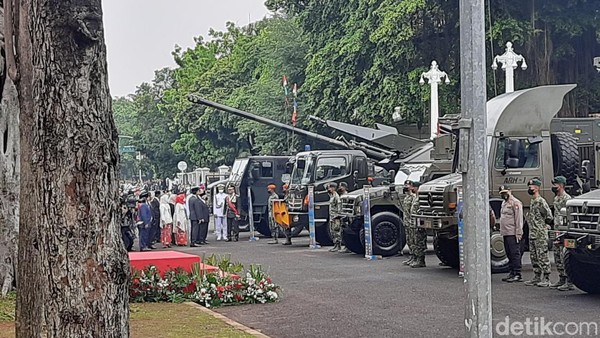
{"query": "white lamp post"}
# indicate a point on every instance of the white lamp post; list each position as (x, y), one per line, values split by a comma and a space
(509, 62)
(435, 76)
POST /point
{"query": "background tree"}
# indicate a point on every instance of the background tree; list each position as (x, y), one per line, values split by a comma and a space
(9, 171)
(73, 269)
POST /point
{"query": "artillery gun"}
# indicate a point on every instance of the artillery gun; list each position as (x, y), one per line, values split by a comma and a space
(524, 142)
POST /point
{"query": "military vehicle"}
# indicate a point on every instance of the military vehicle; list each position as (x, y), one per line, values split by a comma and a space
(353, 165)
(580, 236)
(521, 146)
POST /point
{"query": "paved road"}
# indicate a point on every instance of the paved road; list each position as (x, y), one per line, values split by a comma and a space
(344, 295)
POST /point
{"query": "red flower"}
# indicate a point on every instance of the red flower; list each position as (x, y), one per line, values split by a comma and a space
(228, 287)
(220, 288)
(268, 280)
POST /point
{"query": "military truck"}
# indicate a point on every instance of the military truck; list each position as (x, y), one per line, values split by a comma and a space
(521, 146)
(580, 235)
(387, 224)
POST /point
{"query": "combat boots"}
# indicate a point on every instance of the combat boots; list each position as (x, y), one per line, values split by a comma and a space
(409, 260)
(336, 248)
(510, 276)
(418, 262)
(274, 233)
(288, 241)
(344, 249)
(566, 287)
(545, 282)
(562, 281)
(536, 279)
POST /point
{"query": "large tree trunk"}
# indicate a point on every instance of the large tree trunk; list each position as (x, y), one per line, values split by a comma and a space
(9, 172)
(73, 270)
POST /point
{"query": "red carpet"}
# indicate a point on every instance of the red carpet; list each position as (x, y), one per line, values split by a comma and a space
(167, 260)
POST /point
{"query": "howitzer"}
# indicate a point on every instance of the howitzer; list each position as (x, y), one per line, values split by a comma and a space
(371, 151)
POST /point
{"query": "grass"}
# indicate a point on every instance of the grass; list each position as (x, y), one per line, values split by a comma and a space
(168, 320)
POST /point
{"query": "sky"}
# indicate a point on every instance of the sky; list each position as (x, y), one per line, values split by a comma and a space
(141, 34)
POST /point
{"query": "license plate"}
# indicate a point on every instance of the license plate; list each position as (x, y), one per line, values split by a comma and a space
(427, 223)
(570, 243)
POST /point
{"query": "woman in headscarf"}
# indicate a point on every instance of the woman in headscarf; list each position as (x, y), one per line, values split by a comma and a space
(166, 221)
(180, 221)
(172, 203)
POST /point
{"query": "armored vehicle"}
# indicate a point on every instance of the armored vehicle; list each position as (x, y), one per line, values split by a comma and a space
(521, 146)
(581, 238)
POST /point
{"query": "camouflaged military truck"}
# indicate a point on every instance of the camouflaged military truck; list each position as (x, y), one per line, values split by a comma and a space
(521, 145)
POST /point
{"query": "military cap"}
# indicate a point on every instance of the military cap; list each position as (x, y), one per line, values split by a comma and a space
(504, 189)
(194, 190)
(535, 181)
(220, 185)
(559, 180)
(333, 185)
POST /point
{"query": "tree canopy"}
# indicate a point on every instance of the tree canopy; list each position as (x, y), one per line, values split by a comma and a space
(353, 61)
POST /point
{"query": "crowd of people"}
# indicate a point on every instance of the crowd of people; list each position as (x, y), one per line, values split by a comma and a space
(178, 218)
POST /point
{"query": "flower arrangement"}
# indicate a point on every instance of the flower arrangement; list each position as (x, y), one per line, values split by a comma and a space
(209, 289)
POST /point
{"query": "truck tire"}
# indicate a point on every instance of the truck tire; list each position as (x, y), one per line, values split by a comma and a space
(353, 242)
(499, 260)
(388, 233)
(565, 156)
(583, 269)
(322, 234)
(446, 250)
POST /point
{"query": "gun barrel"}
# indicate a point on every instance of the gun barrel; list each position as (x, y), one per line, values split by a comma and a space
(340, 144)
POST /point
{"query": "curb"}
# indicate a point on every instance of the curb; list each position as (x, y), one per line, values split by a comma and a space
(228, 321)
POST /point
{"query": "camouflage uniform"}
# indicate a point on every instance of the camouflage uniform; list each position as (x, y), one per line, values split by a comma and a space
(272, 224)
(408, 226)
(560, 201)
(419, 236)
(539, 213)
(335, 206)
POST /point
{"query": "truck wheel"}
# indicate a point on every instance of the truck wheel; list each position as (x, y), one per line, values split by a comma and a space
(565, 156)
(387, 233)
(498, 254)
(322, 234)
(353, 242)
(446, 250)
(583, 269)
(263, 227)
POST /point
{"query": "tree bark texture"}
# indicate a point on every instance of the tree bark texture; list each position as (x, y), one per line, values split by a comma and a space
(73, 269)
(9, 171)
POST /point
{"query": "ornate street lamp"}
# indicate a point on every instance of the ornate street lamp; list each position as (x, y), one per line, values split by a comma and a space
(435, 76)
(509, 62)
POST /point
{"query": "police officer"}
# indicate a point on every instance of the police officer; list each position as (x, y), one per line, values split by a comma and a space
(272, 224)
(334, 210)
(538, 218)
(511, 229)
(420, 235)
(560, 201)
(407, 219)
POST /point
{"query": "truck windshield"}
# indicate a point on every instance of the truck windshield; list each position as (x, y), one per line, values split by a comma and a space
(302, 172)
(521, 153)
(330, 168)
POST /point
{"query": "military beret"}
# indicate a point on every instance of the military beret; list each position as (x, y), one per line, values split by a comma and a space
(535, 181)
(504, 188)
(333, 185)
(416, 184)
(560, 180)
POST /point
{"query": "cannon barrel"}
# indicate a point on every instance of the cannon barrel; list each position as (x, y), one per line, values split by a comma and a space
(376, 155)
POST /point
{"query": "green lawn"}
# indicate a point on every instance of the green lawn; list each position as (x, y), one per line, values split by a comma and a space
(148, 320)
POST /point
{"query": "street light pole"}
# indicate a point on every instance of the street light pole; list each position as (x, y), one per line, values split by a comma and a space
(509, 61)
(434, 77)
(474, 167)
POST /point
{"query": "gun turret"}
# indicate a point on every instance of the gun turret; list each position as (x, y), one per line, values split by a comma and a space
(372, 152)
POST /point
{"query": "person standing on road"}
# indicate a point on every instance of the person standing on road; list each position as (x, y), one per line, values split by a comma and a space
(407, 219)
(233, 214)
(204, 217)
(219, 213)
(538, 218)
(273, 226)
(195, 211)
(145, 224)
(166, 221)
(180, 220)
(155, 207)
(511, 229)
(560, 201)
(420, 236)
(343, 190)
(334, 210)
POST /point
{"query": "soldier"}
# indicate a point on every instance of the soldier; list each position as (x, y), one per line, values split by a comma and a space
(560, 201)
(272, 224)
(511, 229)
(420, 235)
(406, 218)
(334, 210)
(538, 218)
(343, 189)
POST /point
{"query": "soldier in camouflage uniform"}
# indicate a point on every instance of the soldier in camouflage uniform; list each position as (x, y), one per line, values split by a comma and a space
(272, 224)
(538, 218)
(335, 206)
(560, 201)
(406, 218)
(420, 235)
